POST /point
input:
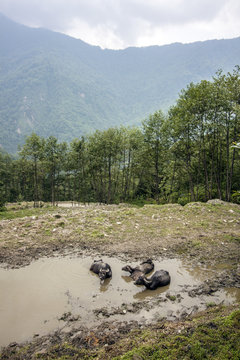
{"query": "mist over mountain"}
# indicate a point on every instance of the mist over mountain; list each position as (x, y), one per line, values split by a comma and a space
(53, 84)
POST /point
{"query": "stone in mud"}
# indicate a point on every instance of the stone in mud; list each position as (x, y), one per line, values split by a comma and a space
(77, 335)
(130, 308)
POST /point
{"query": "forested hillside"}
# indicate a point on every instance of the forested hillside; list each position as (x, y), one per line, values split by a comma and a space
(52, 84)
(190, 154)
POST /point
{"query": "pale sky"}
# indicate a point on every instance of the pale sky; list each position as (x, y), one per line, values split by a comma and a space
(117, 24)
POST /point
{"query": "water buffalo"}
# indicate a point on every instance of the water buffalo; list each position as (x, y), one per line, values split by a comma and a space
(144, 268)
(102, 269)
(159, 278)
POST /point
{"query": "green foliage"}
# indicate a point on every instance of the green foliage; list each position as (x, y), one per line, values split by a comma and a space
(2, 205)
(51, 84)
(155, 154)
(184, 157)
(204, 123)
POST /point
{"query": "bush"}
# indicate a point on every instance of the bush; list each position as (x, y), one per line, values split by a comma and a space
(236, 197)
(2, 205)
(183, 200)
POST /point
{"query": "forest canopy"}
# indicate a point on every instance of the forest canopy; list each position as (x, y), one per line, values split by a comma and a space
(190, 154)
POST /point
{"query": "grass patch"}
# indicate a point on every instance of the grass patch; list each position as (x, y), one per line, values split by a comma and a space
(197, 244)
(215, 339)
(14, 214)
(99, 219)
(27, 225)
(210, 304)
(232, 238)
(171, 297)
(95, 234)
(48, 232)
(67, 353)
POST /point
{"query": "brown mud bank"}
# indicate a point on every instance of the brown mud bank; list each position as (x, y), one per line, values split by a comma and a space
(203, 232)
(112, 340)
(202, 238)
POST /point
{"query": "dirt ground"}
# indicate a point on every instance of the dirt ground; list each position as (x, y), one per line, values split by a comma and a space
(204, 234)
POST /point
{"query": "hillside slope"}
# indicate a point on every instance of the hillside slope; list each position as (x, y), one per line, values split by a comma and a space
(55, 85)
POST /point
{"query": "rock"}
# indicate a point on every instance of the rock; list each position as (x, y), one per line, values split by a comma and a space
(74, 318)
(13, 344)
(65, 316)
(216, 202)
(77, 335)
(130, 308)
(41, 352)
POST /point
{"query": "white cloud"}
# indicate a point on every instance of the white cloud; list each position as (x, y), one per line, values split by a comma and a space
(122, 23)
(101, 34)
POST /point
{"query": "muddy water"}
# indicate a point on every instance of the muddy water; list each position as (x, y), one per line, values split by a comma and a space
(33, 299)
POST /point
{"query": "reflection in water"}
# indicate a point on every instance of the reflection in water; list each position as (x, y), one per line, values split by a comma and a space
(34, 298)
(128, 279)
(104, 287)
(146, 293)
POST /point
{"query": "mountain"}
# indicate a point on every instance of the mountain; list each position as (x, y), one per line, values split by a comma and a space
(53, 84)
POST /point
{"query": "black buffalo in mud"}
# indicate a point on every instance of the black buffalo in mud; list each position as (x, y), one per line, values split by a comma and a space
(102, 269)
(158, 279)
(144, 268)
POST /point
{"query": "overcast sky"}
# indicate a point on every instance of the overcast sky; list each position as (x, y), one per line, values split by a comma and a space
(118, 24)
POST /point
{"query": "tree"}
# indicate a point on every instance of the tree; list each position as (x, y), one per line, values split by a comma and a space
(33, 151)
(5, 177)
(54, 157)
(205, 122)
(78, 166)
(155, 152)
(132, 144)
(105, 150)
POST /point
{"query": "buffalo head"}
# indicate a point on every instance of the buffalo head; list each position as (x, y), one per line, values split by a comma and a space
(104, 273)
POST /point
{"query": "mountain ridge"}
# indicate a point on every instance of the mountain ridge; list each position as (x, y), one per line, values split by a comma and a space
(53, 84)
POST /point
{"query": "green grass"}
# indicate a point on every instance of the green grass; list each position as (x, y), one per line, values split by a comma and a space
(20, 213)
(211, 304)
(96, 234)
(216, 339)
(232, 238)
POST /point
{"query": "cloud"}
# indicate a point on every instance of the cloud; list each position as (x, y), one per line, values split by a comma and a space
(122, 23)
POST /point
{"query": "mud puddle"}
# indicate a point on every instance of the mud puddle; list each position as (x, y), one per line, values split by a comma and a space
(52, 292)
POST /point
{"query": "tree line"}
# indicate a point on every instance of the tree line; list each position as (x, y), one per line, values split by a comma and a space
(185, 155)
